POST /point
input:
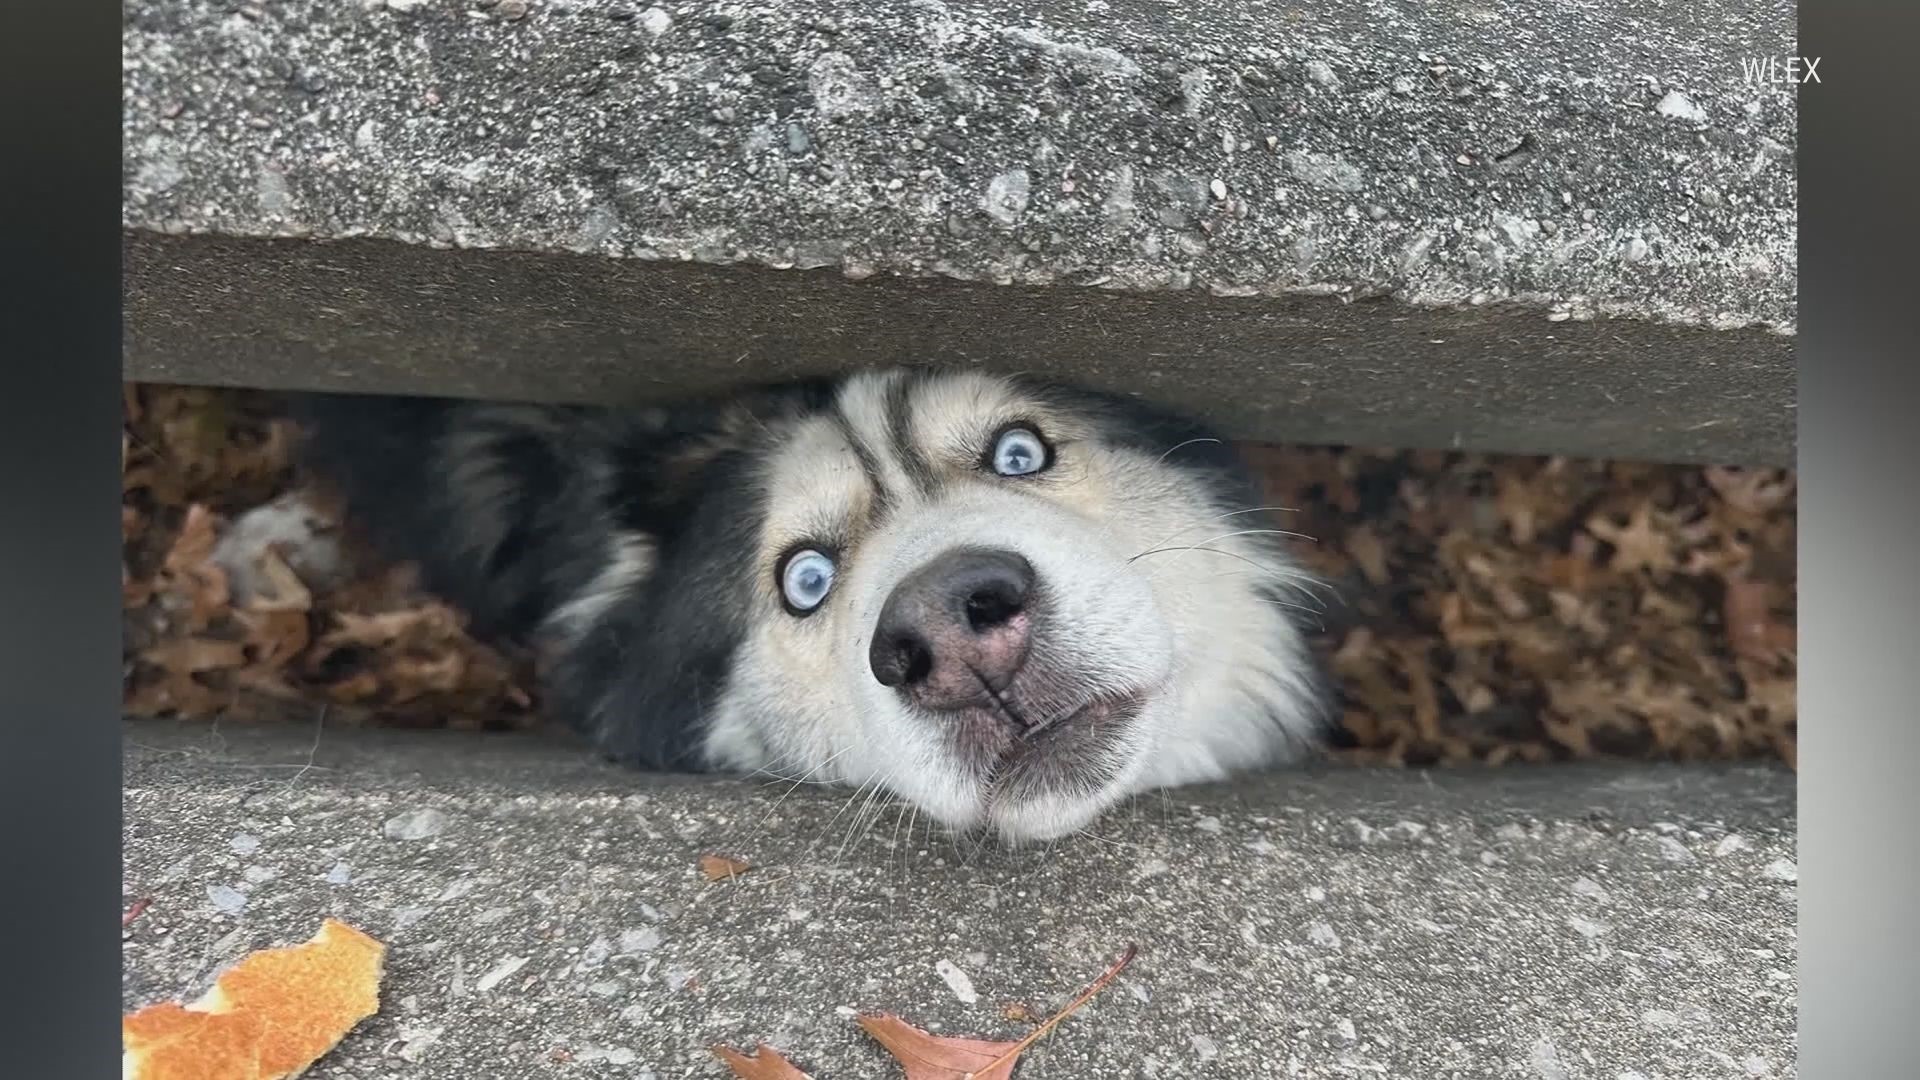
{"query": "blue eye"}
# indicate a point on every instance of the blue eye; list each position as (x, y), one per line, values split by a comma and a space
(805, 579)
(1019, 452)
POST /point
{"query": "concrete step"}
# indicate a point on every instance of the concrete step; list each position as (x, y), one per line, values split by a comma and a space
(1550, 227)
(1552, 923)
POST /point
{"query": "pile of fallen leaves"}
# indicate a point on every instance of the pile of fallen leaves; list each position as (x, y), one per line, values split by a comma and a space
(1500, 608)
(238, 600)
(1478, 608)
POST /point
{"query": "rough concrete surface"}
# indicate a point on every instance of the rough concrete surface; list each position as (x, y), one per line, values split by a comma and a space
(1555, 163)
(546, 919)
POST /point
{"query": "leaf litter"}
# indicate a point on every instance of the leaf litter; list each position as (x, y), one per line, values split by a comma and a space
(1474, 608)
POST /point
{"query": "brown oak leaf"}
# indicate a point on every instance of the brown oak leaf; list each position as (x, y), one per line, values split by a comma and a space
(942, 1057)
(1640, 544)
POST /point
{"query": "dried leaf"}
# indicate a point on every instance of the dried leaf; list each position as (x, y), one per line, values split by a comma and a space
(190, 656)
(1639, 545)
(1018, 1013)
(1369, 554)
(1751, 628)
(942, 1057)
(722, 867)
(271, 1015)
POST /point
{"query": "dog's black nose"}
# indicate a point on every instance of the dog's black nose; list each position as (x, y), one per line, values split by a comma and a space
(957, 622)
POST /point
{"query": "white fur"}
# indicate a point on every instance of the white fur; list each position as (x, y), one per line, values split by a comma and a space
(630, 558)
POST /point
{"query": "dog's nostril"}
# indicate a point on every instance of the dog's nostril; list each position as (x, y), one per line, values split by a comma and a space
(993, 605)
(919, 660)
(901, 660)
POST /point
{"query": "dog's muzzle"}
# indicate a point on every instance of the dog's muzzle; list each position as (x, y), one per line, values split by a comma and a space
(955, 632)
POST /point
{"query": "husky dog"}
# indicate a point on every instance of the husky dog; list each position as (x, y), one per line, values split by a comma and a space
(1009, 603)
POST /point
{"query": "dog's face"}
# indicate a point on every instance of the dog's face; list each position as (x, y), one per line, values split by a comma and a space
(1007, 605)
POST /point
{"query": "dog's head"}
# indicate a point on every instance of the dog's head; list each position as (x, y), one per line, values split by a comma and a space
(1010, 604)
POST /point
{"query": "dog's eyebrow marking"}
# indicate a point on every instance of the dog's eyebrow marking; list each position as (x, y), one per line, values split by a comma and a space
(869, 464)
(900, 431)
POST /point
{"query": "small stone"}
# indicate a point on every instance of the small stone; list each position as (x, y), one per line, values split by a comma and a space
(423, 824)
(595, 954)
(797, 141)
(1319, 71)
(506, 970)
(1674, 851)
(1588, 928)
(1729, 844)
(1660, 1018)
(1377, 212)
(958, 981)
(655, 21)
(341, 874)
(244, 844)
(645, 939)
(511, 10)
(1219, 189)
(1679, 106)
(226, 899)
(1007, 196)
(1637, 250)
(1204, 1048)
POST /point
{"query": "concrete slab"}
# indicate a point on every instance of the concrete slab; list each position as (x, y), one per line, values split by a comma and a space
(546, 917)
(1576, 223)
